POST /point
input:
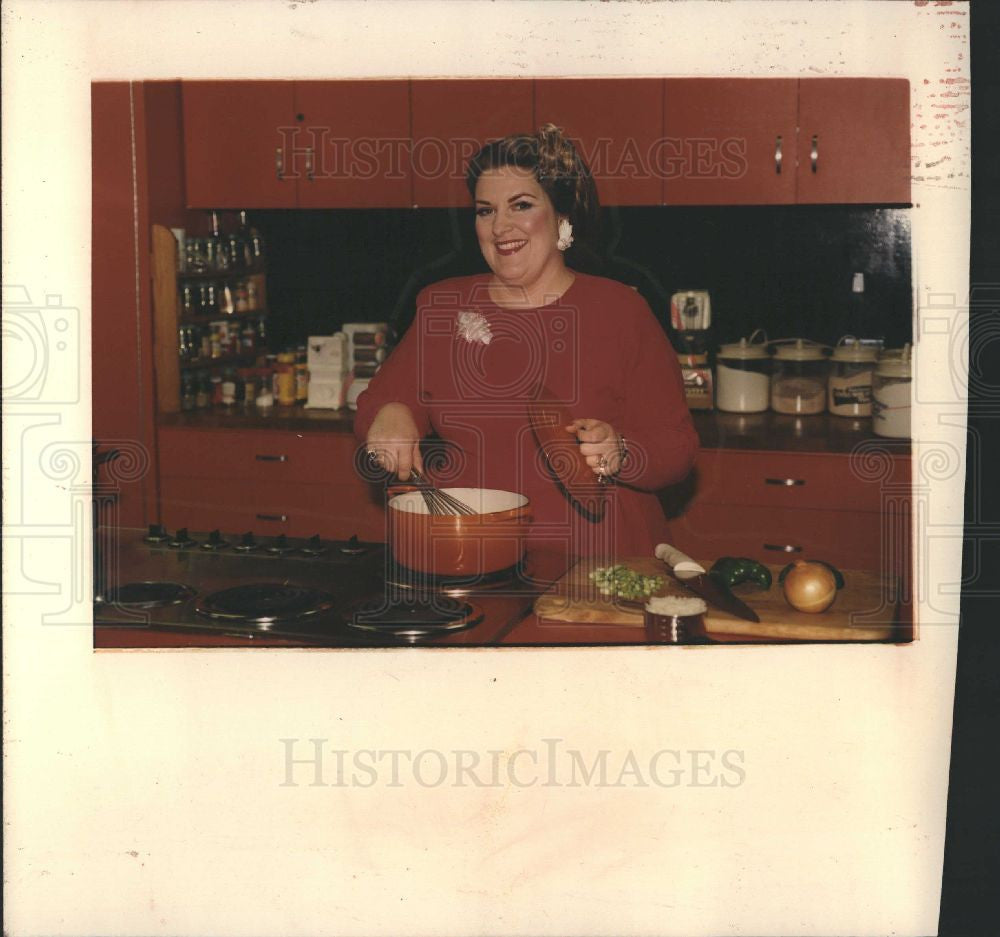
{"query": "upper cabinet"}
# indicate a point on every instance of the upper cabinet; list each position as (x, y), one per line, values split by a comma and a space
(356, 135)
(729, 141)
(297, 144)
(648, 141)
(232, 143)
(854, 140)
(452, 119)
(618, 122)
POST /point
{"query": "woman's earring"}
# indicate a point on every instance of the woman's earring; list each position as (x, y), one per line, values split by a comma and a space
(565, 234)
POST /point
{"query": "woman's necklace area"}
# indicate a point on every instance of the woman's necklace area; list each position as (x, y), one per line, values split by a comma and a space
(507, 296)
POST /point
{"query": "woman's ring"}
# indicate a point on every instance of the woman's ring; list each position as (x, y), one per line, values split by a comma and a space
(372, 456)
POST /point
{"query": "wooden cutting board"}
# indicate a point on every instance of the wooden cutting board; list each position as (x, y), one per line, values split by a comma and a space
(866, 608)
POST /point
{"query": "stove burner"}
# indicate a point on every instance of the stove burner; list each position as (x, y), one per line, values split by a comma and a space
(215, 542)
(181, 540)
(265, 603)
(419, 617)
(315, 547)
(157, 534)
(280, 546)
(410, 580)
(150, 594)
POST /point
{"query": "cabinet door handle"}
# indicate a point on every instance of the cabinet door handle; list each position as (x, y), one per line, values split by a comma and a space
(279, 162)
(271, 458)
(781, 547)
(783, 482)
(777, 154)
(814, 153)
(309, 164)
(272, 517)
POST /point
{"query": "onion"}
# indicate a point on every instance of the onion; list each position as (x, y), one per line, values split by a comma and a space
(810, 587)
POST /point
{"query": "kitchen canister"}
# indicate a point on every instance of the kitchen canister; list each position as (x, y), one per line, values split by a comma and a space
(799, 376)
(891, 393)
(849, 390)
(743, 376)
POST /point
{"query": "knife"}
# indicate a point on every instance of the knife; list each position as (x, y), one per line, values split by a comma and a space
(692, 576)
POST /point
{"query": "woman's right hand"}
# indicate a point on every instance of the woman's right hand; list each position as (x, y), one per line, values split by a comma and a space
(394, 439)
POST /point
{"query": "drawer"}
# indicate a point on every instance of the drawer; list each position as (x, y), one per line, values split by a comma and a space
(778, 535)
(820, 481)
(265, 456)
(297, 510)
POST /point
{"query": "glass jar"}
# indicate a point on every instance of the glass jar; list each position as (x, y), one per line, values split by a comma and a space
(849, 390)
(742, 377)
(798, 380)
(891, 394)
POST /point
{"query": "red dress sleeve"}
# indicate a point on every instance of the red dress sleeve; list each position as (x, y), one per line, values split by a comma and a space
(657, 425)
(396, 381)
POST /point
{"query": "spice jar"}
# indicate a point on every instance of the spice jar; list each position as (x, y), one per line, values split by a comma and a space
(301, 382)
(849, 391)
(891, 394)
(229, 388)
(798, 382)
(743, 377)
(285, 383)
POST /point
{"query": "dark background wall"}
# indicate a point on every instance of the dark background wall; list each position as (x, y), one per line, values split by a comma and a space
(786, 269)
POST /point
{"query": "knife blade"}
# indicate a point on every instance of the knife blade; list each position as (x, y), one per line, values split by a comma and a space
(694, 577)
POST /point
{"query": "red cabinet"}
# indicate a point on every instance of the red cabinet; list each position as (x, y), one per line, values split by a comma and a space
(774, 506)
(729, 141)
(296, 144)
(854, 140)
(452, 119)
(618, 123)
(267, 481)
(234, 137)
(356, 137)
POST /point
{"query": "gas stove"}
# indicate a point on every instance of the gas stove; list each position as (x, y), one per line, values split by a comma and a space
(321, 591)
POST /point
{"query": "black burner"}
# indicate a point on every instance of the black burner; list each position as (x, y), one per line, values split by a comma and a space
(419, 617)
(247, 543)
(150, 594)
(266, 602)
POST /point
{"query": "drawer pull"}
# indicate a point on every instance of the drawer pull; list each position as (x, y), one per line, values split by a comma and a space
(273, 517)
(785, 482)
(782, 548)
(271, 458)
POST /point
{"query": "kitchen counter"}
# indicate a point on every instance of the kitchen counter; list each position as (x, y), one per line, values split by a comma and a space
(767, 431)
(509, 613)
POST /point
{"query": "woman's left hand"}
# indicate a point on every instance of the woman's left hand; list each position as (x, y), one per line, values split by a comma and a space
(598, 444)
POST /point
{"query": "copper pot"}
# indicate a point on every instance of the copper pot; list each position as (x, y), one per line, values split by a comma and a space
(458, 544)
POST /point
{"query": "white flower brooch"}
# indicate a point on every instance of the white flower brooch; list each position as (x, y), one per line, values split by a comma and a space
(473, 327)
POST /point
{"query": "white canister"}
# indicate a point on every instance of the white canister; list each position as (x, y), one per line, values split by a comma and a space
(849, 389)
(743, 377)
(891, 387)
(798, 381)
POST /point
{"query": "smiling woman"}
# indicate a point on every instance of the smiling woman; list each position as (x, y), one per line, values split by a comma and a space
(485, 350)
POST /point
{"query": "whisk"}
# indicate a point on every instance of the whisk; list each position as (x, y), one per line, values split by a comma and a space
(438, 501)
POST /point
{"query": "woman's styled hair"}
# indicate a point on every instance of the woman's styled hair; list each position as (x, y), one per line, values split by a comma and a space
(559, 169)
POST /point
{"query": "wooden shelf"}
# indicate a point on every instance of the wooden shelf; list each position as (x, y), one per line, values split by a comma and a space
(167, 320)
(218, 274)
(208, 318)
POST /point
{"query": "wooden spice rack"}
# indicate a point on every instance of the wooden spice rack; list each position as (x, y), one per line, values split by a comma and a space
(168, 319)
